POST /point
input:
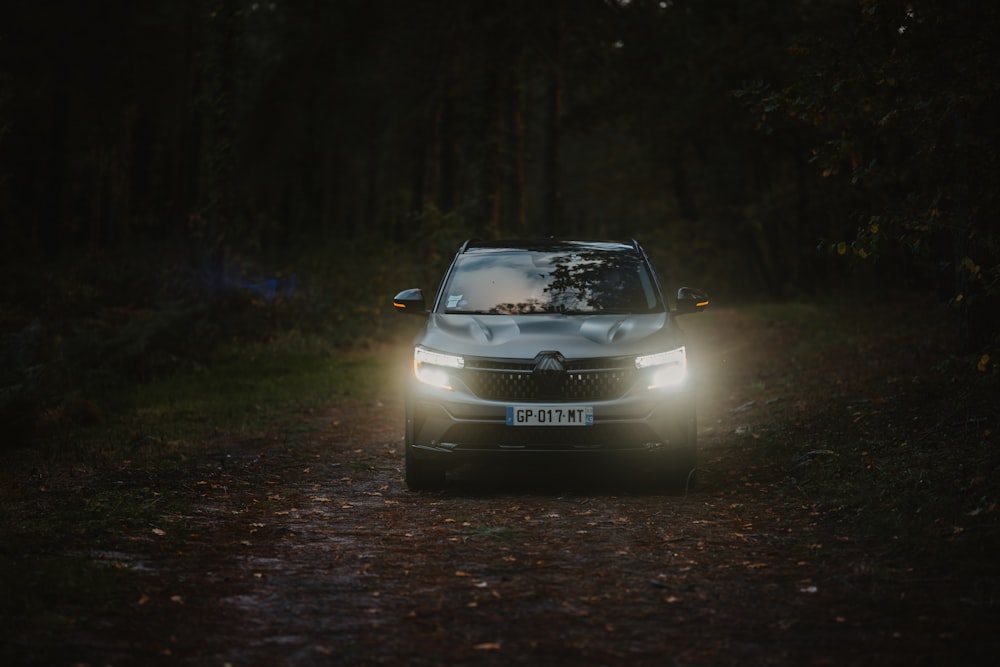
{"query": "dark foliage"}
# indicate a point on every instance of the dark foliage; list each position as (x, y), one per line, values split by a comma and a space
(756, 148)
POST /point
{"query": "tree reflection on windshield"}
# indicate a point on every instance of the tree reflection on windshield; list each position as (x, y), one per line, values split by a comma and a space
(530, 282)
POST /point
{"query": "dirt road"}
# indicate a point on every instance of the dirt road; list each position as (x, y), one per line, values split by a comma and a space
(306, 549)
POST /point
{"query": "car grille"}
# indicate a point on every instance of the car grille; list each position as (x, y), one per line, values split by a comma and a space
(582, 380)
(606, 437)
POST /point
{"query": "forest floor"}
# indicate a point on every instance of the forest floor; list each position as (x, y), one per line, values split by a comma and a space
(820, 441)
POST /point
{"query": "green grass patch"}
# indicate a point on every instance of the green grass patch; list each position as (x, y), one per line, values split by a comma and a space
(245, 391)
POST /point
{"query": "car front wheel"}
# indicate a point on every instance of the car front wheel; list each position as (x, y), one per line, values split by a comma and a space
(422, 475)
(681, 466)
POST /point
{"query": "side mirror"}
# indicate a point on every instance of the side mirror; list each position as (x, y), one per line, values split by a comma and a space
(690, 300)
(410, 302)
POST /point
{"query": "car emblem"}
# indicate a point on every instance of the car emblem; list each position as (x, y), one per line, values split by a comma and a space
(547, 363)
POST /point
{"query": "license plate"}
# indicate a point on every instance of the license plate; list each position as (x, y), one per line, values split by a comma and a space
(550, 415)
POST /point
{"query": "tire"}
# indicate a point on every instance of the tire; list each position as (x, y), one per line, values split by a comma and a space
(419, 473)
(682, 464)
(685, 472)
(422, 475)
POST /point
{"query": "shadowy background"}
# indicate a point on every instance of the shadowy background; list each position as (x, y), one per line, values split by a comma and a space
(176, 176)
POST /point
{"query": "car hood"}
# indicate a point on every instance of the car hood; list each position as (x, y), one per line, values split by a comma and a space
(524, 336)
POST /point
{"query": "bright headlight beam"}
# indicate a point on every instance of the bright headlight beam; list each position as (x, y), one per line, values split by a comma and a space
(432, 367)
(666, 369)
(425, 356)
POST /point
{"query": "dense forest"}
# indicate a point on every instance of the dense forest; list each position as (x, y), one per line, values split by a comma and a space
(765, 149)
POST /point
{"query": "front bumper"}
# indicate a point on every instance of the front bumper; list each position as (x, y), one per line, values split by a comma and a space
(452, 426)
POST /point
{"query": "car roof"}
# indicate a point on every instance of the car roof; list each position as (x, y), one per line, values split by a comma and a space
(546, 245)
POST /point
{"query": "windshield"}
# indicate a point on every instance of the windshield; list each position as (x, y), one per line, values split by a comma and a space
(520, 282)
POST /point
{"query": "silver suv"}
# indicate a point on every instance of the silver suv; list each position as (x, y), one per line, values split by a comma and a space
(548, 349)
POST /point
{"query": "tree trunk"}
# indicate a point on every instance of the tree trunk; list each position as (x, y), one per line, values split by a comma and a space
(553, 125)
(517, 151)
(219, 67)
(497, 145)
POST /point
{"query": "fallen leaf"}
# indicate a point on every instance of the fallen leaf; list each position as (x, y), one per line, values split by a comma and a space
(487, 646)
(159, 531)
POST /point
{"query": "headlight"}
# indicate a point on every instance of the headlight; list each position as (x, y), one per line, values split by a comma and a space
(665, 369)
(432, 367)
